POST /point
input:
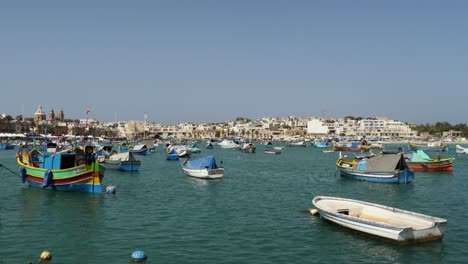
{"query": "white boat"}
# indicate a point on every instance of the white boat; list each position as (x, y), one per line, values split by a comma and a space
(204, 168)
(381, 221)
(273, 151)
(461, 150)
(227, 143)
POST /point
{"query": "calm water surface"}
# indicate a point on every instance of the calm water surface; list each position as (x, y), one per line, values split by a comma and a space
(252, 215)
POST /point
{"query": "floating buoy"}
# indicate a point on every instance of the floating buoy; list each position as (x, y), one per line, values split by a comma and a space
(111, 189)
(313, 211)
(138, 256)
(46, 256)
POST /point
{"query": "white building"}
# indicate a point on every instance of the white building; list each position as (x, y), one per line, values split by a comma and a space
(315, 126)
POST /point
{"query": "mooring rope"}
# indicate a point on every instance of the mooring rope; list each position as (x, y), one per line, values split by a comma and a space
(6, 168)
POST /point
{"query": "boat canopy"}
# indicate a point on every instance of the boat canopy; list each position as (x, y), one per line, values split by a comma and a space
(125, 156)
(207, 162)
(386, 163)
(139, 147)
(419, 155)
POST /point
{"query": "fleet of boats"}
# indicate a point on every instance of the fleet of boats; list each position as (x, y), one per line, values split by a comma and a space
(82, 168)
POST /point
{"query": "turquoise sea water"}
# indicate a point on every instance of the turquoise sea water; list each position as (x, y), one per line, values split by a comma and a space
(252, 215)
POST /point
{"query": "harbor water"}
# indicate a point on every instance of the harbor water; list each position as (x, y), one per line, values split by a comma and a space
(253, 215)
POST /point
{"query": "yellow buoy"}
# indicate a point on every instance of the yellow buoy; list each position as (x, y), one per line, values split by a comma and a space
(313, 211)
(46, 256)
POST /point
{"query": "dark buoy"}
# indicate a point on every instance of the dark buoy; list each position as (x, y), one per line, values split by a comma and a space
(111, 189)
(138, 256)
(45, 256)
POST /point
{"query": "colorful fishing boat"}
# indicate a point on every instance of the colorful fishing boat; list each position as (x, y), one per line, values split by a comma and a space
(386, 168)
(68, 170)
(429, 147)
(420, 161)
(355, 147)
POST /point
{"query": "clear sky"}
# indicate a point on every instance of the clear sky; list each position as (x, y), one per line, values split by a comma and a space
(215, 60)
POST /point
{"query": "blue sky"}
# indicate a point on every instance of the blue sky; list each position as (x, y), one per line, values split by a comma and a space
(211, 61)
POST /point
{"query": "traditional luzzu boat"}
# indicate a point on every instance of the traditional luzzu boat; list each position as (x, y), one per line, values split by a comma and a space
(429, 147)
(68, 170)
(355, 147)
(385, 167)
(420, 161)
(389, 223)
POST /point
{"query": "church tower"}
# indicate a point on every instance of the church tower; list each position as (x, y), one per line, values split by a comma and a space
(51, 116)
(61, 116)
(39, 116)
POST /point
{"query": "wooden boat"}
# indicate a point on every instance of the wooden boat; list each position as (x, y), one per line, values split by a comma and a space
(171, 154)
(140, 149)
(322, 144)
(355, 147)
(122, 161)
(429, 147)
(300, 143)
(228, 144)
(420, 161)
(69, 170)
(381, 221)
(248, 148)
(386, 168)
(204, 168)
(194, 148)
(273, 151)
(461, 150)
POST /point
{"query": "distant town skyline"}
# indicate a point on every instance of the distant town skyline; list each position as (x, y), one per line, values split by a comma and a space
(212, 61)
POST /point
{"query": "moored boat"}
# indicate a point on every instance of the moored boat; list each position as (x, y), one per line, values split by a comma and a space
(393, 224)
(248, 148)
(420, 161)
(461, 150)
(122, 161)
(429, 147)
(386, 168)
(140, 149)
(273, 151)
(227, 143)
(68, 170)
(205, 168)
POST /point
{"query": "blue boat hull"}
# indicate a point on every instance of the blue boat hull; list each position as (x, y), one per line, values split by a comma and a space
(405, 176)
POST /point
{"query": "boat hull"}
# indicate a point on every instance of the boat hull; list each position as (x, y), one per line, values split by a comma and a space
(405, 176)
(123, 165)
(204, 173)
(444, 165)
(380, 221)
